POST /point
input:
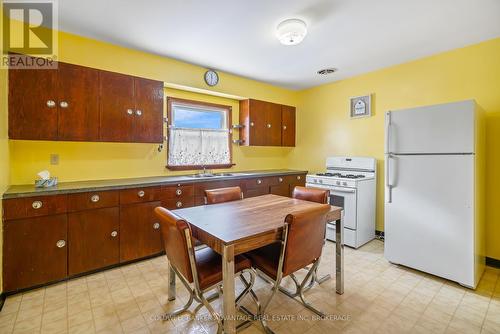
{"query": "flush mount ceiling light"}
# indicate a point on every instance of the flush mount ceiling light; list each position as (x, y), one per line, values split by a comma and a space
(327, 71)
(291, 31)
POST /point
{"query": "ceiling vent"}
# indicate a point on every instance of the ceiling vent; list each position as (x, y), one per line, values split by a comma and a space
(327, 71)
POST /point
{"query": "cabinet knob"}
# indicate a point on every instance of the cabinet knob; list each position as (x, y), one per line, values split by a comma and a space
(114, 234)
(259, 181)
(60, 243)
(299, 177)
(268, 126)
(280, 179)
(95, 198)
(140, 193)
(130, 111)
(178, 204)
(252, 124)
(138, 112)
(63, 104)
(37, 205)
(156, 226)
(178, 192)
(284, 127)
(51, 103)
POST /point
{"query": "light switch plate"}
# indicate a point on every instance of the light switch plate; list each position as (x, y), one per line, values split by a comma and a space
(54, 159)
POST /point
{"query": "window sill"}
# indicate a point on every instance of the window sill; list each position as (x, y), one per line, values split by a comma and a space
(200, 167)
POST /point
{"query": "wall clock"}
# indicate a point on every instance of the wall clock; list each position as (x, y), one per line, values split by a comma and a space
(211, 78)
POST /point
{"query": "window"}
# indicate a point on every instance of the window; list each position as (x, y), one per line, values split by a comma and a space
(198, 135)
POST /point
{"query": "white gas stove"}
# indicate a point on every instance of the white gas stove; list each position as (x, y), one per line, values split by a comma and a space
(352, 185)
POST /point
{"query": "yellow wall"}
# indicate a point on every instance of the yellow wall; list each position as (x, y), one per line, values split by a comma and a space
(84, 161)
(324, 127)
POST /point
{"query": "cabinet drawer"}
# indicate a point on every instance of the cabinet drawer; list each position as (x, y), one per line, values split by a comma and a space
(258, 182)
(139, 195)
(179, 191)
(178, 203)
(34, 206)
(92, 200)
(277, 180)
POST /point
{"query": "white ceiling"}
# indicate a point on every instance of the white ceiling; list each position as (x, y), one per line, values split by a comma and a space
(237, 36)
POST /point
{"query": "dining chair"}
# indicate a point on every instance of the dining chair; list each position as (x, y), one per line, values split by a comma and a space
(311, 194)
(319, 196)
(300, 246)
(199, 270)
(221, 195)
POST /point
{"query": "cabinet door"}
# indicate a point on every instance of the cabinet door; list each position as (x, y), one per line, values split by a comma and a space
(257, 122)
(280, 186)
(116, 107)
(273, 124)
(35, 251)
(139, 231)
(32, 104)
(78, 103)
(148, 125)
(296, 180)
(93, 239)
(287, 126)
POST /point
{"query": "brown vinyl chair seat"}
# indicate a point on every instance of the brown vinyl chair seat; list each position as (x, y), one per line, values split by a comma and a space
(266, 259)
(209, 266)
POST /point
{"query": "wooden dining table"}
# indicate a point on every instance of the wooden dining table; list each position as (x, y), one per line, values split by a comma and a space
(237, 227)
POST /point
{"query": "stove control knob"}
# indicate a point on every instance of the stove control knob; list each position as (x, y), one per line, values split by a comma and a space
(338, 183)
(320, 181)
(344, 183)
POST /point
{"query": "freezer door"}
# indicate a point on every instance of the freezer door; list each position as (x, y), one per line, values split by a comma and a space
(429, 224)
(444, 128)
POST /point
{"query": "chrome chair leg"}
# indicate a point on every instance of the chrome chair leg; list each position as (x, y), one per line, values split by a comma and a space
(306, 284)
(192, 296)
(301, 291)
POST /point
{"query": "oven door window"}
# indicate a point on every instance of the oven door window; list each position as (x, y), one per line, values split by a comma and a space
(346, 199)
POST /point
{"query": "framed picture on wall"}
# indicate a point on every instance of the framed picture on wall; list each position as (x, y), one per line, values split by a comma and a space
(360, 106)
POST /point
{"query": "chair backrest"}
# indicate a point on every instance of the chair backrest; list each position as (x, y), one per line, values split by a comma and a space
(311, 194)
(173, 230)
(306, 232)
(221, 195)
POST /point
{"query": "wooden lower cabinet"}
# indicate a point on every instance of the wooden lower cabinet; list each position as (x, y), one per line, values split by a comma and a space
(94, 240)
(139, 231)
(282, 189)
(34, 251)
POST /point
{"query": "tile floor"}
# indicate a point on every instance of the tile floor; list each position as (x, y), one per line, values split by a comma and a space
(379, 298)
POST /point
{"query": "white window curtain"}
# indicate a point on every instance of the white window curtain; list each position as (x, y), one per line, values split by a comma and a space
(198, 147)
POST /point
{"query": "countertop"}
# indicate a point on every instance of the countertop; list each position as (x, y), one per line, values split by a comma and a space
(17, 191)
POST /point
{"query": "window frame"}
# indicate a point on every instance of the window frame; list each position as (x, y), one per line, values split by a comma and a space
(228, 109)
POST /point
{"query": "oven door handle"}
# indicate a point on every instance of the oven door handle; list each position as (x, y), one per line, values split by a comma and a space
(336, 190)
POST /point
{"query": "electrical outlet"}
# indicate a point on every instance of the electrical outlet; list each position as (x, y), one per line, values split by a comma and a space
(54, 159)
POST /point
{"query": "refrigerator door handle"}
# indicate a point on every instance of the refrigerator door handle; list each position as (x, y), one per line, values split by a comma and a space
(387, 132)
(388, 177)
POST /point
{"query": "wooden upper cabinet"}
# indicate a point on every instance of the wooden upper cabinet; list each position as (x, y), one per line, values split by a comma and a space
(116, 106)
(32, 104)
(148, 126)
(78, 103)
(263, 123)
(131, 109)
(287, 126)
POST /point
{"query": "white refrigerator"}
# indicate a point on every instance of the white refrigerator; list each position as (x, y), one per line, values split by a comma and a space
(434, 190)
